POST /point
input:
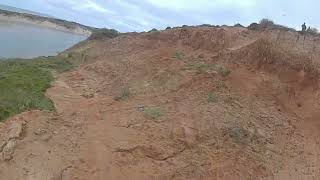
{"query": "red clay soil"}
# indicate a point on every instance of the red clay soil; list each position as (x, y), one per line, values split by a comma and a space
(188, 103)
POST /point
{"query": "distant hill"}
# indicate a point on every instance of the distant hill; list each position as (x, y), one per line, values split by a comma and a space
(19, 10)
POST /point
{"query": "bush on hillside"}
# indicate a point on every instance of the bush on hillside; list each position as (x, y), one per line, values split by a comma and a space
(153, 30)
(206, 25)
(265, 23)
(238, 25)
(104, 33)
(253, 26)
(312, 30)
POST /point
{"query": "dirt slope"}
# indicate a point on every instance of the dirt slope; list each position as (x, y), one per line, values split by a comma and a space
(190, 103)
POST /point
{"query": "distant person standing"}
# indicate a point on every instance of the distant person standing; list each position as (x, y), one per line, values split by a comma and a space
(302, 32)
(304, 27)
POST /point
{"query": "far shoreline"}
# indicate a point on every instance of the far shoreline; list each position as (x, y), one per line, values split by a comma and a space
(45, 22)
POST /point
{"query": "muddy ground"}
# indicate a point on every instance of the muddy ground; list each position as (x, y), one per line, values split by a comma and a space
(186, 103)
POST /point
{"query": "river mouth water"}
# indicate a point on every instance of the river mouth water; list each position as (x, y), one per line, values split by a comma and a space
(21, 40)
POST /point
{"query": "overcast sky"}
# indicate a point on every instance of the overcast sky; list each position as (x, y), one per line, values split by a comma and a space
(141, 15)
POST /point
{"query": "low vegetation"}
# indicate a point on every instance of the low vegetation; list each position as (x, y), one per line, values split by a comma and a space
(223, 71)
(205, 67)
(124, 94)
(212, 97)
(23, 83)
(239, 25)
(267, 24)
(239, 135)
(153, 30)
(178, 55)
(103, 34)
(153, 112)
(312, 30)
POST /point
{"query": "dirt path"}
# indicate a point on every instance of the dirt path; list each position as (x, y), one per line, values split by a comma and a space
(100, 138)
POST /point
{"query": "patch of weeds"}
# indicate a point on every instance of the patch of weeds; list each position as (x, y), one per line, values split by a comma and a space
(223, 71)
(239, 135)
(179, 55)
(212, 97)
(205, 67)
(124, 94)
(153, 112)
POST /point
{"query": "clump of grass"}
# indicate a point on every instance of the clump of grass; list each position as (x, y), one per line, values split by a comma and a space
(179, 55)
(239, 135)
(23, 83)
(205, 67)
(153, 112)
(223, 71)
(124, 94)
(212, 97)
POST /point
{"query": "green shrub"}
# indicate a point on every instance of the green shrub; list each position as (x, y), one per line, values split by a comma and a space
(223, 71)
(312, 30)
(153, 30)
(239, 135)
(153, 113)
(212, 97)
(206, 25)
(205, 67)
(103, 33)
(178, 55)
(124, 94)
(238, 25)
(253, 26)
(265, 23)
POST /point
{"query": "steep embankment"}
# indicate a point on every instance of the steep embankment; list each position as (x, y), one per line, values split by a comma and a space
(47, 22)
(186, 103)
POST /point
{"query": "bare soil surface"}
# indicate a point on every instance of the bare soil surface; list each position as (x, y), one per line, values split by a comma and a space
(188, 103)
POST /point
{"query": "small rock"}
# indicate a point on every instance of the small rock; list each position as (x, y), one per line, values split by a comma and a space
(273, 148)
(54, 118)
(88, 95)
(261, 132)
(46, 137)
(2, 145)
(8, 150)
(40, 132)
(212, 72)
(141, 108)
(15, 130)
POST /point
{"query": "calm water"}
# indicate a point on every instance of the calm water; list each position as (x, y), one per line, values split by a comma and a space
(19, 40)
